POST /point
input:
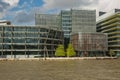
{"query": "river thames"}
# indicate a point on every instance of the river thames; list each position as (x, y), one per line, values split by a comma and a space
(60, 70)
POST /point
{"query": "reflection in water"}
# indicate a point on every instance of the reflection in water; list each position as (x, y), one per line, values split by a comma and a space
(60, 70)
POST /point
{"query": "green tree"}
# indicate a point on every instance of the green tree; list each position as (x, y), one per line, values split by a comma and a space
(60, 51)
(70, 51)
(112, 53)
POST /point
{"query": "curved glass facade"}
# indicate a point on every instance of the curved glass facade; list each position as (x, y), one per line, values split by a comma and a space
(29, 40)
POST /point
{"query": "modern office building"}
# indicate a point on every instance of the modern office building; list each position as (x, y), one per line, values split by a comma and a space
(73, 21)
(47, 20)
(29, 41)
(89, 44)
(110, 23)
(66, 22)
(70, 21)
(83, 21)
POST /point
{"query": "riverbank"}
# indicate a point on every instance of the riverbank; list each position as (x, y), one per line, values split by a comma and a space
(57, 58)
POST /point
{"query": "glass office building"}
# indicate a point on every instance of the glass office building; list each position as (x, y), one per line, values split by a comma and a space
(110, 23)
(29, 41)
(90, 44)
(47, 20)
(66, 22)
(70, 21)
(73, 21)
(83, 21)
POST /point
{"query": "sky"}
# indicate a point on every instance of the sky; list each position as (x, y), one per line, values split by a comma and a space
(21, 12)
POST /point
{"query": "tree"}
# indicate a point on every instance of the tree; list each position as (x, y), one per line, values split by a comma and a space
(70, 51)
(112, 53)
(60, 51)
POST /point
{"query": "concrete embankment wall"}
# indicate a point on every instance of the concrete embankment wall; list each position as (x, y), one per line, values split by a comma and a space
(57, 58)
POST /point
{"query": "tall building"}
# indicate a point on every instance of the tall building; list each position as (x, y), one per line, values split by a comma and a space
(110, 23)
(28, 41)
(73, 21)
(47, 20)
(83, 21)
(89, 44)
(66, 22)
(70, 21)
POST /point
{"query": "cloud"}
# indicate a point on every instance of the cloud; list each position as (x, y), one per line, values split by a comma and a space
(5, 5)
(52, 6)
(67, 4)
(12, 3)
(107, 5)
(26, 16)
(23, 17)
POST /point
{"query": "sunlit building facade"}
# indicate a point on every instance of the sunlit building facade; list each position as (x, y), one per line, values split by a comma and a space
(110, 23)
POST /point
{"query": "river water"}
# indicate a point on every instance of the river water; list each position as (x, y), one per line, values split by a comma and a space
(60, 70)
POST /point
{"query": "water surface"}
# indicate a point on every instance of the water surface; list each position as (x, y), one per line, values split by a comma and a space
(60, 70)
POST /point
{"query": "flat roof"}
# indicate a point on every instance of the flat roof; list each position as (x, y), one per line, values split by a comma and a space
(107, 14)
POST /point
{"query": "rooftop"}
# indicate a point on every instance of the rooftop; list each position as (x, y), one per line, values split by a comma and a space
(107, 14)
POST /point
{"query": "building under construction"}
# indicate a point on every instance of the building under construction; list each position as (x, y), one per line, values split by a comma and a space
(29, 41)
(89, 44)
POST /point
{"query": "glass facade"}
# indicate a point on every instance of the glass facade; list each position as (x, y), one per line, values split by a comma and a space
(83, 21)
(90, 42)
(66, 22)
(47, 20)
(27, 40)
(70, 21)
(78, 21)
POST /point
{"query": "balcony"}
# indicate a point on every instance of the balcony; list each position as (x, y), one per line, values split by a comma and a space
(113, 41)
(113, 37)
(110, 21)
(111, 29)
(114, 46)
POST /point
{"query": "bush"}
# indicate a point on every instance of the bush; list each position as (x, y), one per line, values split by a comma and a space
(60, 51)
(70, 51)
(111, 53)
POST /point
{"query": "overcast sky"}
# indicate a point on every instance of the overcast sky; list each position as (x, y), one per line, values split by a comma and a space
(21, 12)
